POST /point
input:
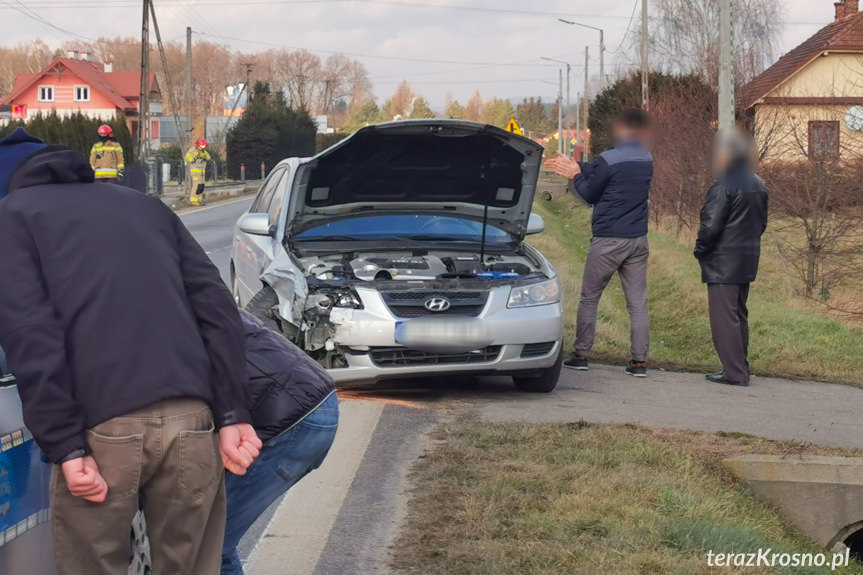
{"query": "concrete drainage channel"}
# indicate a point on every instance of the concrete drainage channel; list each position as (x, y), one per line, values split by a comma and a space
(821, 496)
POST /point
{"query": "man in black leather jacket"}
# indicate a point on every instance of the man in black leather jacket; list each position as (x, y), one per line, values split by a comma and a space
(295, 412)
(733, 219)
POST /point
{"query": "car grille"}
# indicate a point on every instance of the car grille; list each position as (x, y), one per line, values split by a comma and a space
(401, 357)
(409, 304)
(537, 349)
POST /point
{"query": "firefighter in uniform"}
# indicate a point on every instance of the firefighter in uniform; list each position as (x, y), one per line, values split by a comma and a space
(196, 171)
(106, 156)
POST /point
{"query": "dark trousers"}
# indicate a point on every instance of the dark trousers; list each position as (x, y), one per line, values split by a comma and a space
(729, 323)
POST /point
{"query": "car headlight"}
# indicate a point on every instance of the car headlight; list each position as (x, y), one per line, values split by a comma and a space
(542, 293)
(349, 299)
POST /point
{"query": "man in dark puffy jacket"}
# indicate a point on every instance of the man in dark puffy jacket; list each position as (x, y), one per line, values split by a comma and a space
(295, 412)
(733, 220)
(617, 185)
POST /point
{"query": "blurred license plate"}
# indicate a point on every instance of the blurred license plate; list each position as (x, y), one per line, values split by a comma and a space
(443, 334)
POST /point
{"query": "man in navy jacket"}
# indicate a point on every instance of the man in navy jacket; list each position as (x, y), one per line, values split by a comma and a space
(617, 185)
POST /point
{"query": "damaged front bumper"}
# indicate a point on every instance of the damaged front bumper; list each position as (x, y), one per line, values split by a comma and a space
(378, 345)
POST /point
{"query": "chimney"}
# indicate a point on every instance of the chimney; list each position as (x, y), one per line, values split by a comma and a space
(846, 8)
(109, 67)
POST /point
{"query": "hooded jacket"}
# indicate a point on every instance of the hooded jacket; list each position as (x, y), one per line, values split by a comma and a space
(108, 305)
(15, 148)
(283, 383)
(733, 219)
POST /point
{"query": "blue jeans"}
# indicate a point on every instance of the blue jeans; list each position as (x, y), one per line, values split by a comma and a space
(284, 460)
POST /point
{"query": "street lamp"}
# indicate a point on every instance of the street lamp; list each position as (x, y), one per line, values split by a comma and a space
(601, 48)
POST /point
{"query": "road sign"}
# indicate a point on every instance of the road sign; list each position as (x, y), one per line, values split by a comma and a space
(514, 128)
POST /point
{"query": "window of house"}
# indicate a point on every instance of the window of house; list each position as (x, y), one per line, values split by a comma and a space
(823, 140)
(82, 93)
(46, 93)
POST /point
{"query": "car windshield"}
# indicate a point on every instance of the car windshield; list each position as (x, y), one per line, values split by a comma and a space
(419, 227)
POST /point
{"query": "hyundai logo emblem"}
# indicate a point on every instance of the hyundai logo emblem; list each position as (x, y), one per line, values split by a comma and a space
(437, 304)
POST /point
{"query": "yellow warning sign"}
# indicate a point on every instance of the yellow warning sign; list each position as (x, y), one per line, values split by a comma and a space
(514, 128)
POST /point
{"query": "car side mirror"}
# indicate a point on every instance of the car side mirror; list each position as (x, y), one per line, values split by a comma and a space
(257, 225)
(535, 224)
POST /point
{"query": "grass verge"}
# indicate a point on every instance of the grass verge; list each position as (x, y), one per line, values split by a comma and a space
(789, 338)
(549, 499)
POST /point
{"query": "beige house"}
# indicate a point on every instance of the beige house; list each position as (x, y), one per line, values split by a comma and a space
(809, 104)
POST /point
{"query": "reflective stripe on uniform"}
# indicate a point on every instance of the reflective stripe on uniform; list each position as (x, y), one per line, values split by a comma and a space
(102, 172)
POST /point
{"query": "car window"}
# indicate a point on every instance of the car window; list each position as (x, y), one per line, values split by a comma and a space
(262, 203)
(278, 200)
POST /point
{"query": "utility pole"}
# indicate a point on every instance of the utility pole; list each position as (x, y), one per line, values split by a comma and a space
(645, 67)
(586, 82)
(578, 122)
(175, 106)
(601, 61)
(568, 80)
(144, 96)
(188, 91)
(726, 67)
(560, 112)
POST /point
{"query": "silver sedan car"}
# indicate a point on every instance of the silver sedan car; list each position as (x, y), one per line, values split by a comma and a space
(399, 252)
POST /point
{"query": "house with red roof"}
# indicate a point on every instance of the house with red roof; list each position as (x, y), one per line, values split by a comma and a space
(77, 84)
(809, 104)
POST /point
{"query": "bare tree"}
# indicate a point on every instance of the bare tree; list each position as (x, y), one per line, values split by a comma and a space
(302, 73)
(684, 37)
(24, 58)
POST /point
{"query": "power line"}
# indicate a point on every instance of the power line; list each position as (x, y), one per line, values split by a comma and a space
(23, 9)
(392, 3)
(361, 55)
(628, 27)
(60, 4)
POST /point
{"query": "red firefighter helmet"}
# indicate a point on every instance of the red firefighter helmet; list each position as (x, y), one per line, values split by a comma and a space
(105, 130)
(201, 144)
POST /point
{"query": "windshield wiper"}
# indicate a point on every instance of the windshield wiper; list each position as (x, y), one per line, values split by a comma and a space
(329, 239)
(434, 238)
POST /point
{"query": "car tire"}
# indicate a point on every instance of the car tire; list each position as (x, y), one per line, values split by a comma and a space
(261, 306)
(545, 382)
(235, 286)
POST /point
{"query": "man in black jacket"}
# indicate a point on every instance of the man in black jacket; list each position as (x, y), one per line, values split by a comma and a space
(128, 351)
(295, 412)
(733, 219)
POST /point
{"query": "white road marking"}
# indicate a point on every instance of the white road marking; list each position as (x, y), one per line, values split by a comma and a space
(300, 528)
(187, 211)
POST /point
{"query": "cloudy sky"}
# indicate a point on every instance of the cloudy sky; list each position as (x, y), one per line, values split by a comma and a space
(439, 46)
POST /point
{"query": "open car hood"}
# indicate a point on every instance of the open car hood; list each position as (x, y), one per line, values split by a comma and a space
(447, 167)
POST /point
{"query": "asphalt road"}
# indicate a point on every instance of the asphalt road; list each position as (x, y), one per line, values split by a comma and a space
(345, 516)
(213, 227)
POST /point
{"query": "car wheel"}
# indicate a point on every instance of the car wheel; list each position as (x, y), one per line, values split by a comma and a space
(261, 306)
(545, 382)
(235, 286)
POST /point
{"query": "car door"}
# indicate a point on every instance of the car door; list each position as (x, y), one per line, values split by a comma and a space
(253, 253)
